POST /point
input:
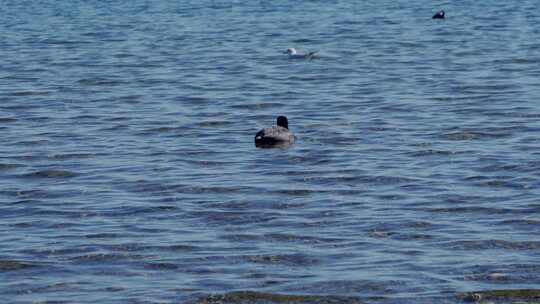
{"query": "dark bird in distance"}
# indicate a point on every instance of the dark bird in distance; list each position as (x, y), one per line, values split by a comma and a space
(439, 15)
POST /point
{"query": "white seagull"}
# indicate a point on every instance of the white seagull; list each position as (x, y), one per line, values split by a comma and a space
(294, 54)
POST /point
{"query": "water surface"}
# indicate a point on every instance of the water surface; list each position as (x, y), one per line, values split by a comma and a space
(128, 172)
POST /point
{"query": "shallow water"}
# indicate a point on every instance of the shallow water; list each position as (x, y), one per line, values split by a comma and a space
(128, 172)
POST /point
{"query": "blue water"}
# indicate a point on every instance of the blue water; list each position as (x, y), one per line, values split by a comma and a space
(128, 172)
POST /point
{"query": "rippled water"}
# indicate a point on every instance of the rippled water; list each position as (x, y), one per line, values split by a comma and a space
(128, 172)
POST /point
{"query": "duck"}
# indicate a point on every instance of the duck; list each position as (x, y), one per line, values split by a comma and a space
(294, 54)
(438, 15)
(277, 136)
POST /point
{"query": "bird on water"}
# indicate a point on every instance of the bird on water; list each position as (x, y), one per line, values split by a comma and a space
(277, 136)
(438, 15)
(294, 54)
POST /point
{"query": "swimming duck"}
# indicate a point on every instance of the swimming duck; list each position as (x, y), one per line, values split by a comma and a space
(438, 15)
(277, 136)
(294, 54)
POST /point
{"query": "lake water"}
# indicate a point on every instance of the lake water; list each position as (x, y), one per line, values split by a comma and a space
(128, 171)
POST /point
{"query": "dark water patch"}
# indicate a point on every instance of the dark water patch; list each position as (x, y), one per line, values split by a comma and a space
(522, 222)
(338, 140)
(162, 130)
(30, 93)
(504, 168)
(302, 40)
(502, 296)
(247, 297)
(475, 135)
(106, 258)
(7, 120)
(196, 100)
(296, 192)
(214, 124)
(114, 128)
(315, 172)
(6, 167)
(66, 214)
(44, 225)
(58, 251)
(232, 217)
(172, 248)
(453, 199)
(214, 190)
(400, 230)
(206, 163)
(27, 196)
(118, 118)
(483, 181)
(103, 235)
(291, 260)
(130, 210)
(144, 186)
(6, 265)
(431, 152)
(68, 156)
(50, 173)
(22, 225)
(18, 107)
(361, 180)
(92, 118)
(492, 244)
(99, 81)
(161, 266)
(474, 210)
(37, 142)
(258, 106)
(50, 288)
(286, 237)
(52, 41)
(129, 99)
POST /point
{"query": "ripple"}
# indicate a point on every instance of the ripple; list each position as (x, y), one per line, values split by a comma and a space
(106, 257)
(102, 236)
(475, 135)
(30, 93)
(51, 173)
(472, 209)
(214, 124)
(297, 260)
(258, 106)
(161, 266)
(161, 130)
(431, 152)
(67, 156)
(7, 119)
(99, 81)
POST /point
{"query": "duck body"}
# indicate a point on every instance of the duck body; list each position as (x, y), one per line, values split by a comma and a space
(275, 136)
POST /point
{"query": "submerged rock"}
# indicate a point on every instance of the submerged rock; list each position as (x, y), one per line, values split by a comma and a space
(245, 297)
(521, 295)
